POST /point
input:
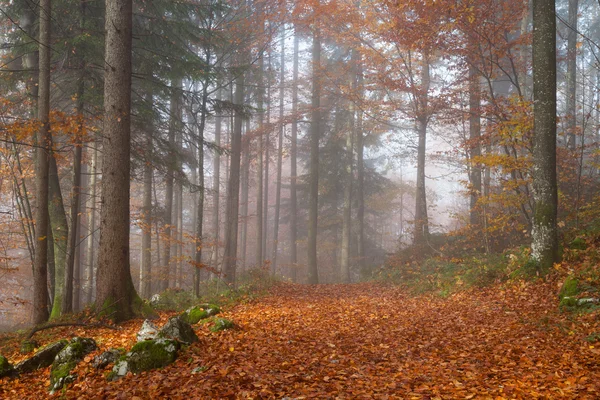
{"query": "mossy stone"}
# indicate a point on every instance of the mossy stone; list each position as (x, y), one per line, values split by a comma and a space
(194, 315)
(570, 288)
(28, 346)
(222, 324)
(67, 359)
(42, 358)
(151, 354)
(6, 368)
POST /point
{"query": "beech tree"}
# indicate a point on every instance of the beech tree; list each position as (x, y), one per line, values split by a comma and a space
(544, 247)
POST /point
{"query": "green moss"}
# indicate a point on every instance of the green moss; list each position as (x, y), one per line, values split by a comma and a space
(151, 354)
(194, 314)
(578, 244)
(5, 367)
(62, 371)
(222, 324)
(140, 307)
(570, 288)
(28, 346)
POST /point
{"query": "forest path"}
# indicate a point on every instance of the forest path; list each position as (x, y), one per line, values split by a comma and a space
(367, 341)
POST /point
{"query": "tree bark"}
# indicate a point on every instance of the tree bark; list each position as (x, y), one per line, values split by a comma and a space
(146, 262)
(315, 135)
(293, 166)
(44, 141)
(360, 171)
(91, 226)
(279, 159)
(544, 247)
(421, 234)
(572, 75)
(116, 296)
(475, 146)
(60, 232)
(216, 188)
(233, 188)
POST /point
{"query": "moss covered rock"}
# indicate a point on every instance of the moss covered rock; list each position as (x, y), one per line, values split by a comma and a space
(6, 369)
(211, 309)
(178, 329)
(222, 324)
(28, 346)
(67, 359)
(194, 315)
(110, 356)
(42, 358)
(578, 244)
(150, 354)
(568, 292)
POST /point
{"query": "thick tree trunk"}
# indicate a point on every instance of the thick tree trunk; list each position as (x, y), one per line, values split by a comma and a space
(315, 135)
(544, 247)
(572, 75)
(44, 140)
(421, 234)
(116, 296)
(233, 188)
(279, 158)
(293, 166)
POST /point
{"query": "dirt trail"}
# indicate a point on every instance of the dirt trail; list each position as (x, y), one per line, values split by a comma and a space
(367, 341)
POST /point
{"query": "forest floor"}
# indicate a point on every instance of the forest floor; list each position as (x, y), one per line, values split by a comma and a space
(362, 341)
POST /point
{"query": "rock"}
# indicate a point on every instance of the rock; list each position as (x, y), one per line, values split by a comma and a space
(110, 356)
(146, 355)
(6, 369)
(211, 309)
(222, 324)
(198, 370)
(28, 346)
(148, 331)
(176, 328)
(67, 359)
(42, 358)
(194, 314)
(587, 301)
(155, 300)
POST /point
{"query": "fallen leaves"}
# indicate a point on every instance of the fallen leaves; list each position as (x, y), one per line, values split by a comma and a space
(365, 341)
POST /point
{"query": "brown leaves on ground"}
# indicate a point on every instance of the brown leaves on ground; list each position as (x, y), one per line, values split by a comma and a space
(366, 341)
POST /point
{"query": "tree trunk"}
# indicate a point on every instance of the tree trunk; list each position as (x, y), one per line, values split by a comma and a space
(315, 134)
(475, 146)
(360, 171)
(293, 166)
(572, 75)
(44, 140)
(146, 262)
(544, 247)
(267, 142)
(259, 168)
(233, 188)
(216, 188)
(279, 159)
(174, 112)
(421, 234)
(245, 185)
(60, 232)
(91, 226)
(116, 296)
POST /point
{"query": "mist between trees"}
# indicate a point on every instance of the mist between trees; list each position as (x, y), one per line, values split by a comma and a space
(158, 144)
